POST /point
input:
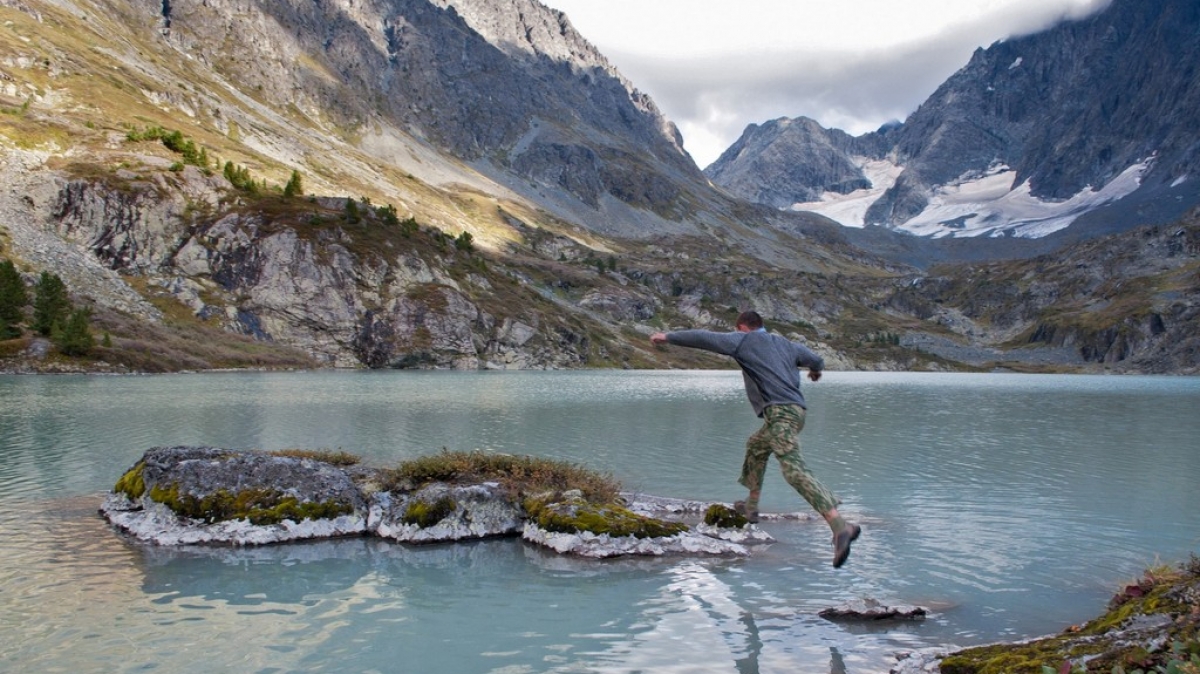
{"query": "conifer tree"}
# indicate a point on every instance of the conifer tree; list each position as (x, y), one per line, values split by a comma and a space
(465, 242)
(51, 305)
(389, 215)
(75, 338)
(13, 296)
(294, 187)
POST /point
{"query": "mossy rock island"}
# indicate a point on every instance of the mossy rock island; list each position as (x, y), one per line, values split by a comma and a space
(207, 495)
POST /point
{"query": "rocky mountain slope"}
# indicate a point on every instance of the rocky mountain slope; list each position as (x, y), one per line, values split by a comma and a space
(1091, 121)
(508, 87)
(1130, 301)
(479, 189)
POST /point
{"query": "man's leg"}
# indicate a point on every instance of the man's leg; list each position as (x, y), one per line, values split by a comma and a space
(788, 420)
(754, 467)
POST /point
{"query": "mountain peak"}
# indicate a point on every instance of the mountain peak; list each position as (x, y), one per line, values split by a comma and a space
(1032, 134)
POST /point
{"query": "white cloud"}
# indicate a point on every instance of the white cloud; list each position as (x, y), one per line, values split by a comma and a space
(714, 66)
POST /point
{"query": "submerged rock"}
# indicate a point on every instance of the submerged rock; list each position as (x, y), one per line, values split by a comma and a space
(601, 546)
(871, 609)
(920, 661)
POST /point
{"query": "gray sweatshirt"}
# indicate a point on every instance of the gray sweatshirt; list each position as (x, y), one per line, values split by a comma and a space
(769, 362)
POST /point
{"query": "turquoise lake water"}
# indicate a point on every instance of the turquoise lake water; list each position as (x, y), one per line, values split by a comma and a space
(1013, 505)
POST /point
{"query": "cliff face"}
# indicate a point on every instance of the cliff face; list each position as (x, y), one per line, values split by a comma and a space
(348, 292)
(1067, 109)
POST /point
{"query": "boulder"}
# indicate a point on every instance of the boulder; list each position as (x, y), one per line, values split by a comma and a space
(441, 512)
(184, 495)
(870, 609)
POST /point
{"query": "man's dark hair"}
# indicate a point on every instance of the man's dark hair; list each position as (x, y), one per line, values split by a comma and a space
(750, 319)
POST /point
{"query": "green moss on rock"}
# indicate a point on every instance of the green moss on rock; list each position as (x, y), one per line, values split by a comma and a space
(132, 483)
(608, 519)
(259, 506)
(1005, 659)
(723, 516)
(425, 514)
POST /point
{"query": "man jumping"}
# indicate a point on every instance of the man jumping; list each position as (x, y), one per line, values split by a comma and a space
(770, 371)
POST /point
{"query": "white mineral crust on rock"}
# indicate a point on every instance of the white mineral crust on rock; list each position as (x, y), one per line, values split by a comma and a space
(156, 523)
(587, 544)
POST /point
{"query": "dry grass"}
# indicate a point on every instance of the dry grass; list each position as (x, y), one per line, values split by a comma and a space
(524, 475)
(330, 456)
(149, 347)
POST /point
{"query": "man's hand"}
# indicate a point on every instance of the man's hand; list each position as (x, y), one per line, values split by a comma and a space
(658, 338)
(814, 375)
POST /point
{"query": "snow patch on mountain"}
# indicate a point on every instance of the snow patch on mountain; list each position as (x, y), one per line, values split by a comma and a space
(975, 205)
(991, 206)
(851, 209)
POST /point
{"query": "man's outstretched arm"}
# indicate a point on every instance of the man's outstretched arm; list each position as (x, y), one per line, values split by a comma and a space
(724, 343)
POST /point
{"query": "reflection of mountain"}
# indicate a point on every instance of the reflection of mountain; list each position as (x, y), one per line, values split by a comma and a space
(78, 597)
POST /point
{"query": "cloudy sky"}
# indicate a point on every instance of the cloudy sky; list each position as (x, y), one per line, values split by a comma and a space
(714, 66)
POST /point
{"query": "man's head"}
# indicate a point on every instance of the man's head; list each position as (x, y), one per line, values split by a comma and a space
(750, 320)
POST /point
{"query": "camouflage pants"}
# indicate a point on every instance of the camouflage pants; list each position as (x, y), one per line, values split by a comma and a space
(780, 435)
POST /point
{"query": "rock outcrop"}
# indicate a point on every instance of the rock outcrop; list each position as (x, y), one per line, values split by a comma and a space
(311, 280)
(442, 512)
(188, 495)
(197, 495)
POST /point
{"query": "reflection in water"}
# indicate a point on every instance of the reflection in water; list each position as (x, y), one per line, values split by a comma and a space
(748, 663)
(87, 596)
(836, 664)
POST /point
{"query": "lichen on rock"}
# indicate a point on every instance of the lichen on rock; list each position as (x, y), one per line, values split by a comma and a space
(576, 527)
